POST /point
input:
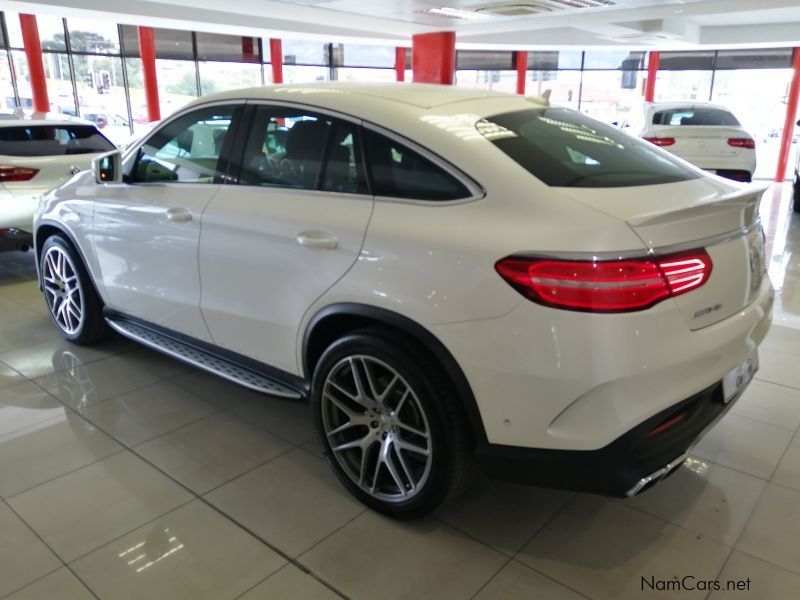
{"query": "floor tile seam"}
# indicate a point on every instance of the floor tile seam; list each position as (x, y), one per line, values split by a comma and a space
(444, 521)
(263, 428)
(719, 464)
(785, 385)
(246, 472)
(30, 583)
(553, 579)
(765, 422)
(56, 371)
(749, 520)
(547, 522)
(738, 414)
(302, 570)
(193, 494)
(493, 575)
(43, 542)
(795, 572)
(45, 390)
(66, 473)
(158, 434)
(80, 557)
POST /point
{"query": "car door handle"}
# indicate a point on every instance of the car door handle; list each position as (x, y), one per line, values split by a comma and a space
(179, 215)
(321, 240)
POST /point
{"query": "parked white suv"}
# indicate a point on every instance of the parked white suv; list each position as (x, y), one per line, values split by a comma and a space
(445, 273)
(37, 153)
(707, 135)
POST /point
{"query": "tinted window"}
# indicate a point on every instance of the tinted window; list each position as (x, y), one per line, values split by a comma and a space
(52, 140)
(186, 150)
(399, 172)
(562, 147)
(694, 116)
(301, 150)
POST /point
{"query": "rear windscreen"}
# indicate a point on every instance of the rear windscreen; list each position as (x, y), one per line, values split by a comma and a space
(565, 148)
(694, 116)
(52, 140)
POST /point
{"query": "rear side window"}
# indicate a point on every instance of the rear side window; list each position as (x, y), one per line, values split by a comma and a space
(694, 116)
(52, 140)
(399, 172)
(564, 148)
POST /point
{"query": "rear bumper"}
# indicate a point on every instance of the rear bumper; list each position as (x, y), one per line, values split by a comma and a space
(630, 464)
(15, 239)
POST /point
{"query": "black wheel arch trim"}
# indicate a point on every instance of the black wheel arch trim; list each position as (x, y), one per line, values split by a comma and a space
(37, 247)
(397, 321)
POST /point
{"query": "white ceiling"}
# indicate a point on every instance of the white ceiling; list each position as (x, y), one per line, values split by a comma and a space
(621, 24)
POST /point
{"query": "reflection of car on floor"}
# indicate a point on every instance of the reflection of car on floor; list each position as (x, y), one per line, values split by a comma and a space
(707, 135)
(446, 274)
(37, 153)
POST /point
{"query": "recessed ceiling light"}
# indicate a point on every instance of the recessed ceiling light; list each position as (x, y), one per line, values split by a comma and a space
(457, 13)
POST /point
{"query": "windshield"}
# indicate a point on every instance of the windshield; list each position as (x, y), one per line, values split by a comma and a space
(565, 148)
(52, 140)
(694, 116)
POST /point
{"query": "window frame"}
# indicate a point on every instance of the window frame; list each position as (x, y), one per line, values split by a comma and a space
(234, 169)
(133, 153)
(476, 191)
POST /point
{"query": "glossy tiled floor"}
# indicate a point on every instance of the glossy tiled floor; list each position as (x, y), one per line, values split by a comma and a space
(124, 474)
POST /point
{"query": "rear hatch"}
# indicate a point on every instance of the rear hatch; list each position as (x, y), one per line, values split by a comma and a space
(701, 213)
(707, 141)
(52, 171)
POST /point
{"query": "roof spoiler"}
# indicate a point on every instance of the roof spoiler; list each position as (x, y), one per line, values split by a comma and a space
(543, 98)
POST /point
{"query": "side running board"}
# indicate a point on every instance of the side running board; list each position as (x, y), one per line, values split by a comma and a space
(202, 359)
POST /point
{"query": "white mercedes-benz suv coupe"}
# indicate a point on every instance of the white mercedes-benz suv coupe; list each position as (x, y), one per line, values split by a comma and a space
(707, 135)
(447, 275)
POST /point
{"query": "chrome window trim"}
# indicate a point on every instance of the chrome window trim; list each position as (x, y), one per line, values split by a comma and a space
(476, 190)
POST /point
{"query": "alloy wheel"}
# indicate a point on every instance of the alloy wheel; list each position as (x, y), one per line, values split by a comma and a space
(62, 290)
(376, 428)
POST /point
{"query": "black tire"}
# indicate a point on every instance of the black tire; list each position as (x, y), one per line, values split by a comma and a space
(431, 402)
(89, 327)
(796, 196)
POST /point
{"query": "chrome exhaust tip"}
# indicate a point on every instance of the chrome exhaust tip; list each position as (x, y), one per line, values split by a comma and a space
(656, 476)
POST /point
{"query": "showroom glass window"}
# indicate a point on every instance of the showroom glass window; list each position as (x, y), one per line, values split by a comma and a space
(186, 150)
(397, 171)
(486, 70)
(611, 87)
(298, 149)
(227, 62)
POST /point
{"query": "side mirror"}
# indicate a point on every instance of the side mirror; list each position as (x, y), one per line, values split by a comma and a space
(108, 167)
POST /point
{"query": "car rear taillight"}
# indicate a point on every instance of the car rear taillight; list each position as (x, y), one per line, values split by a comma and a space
(742, 143)
(607, 286)
(9, 173)
(661, 141)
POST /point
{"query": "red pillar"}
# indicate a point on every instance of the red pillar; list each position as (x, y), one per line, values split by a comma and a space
(433, 57)
(248, 50)
(791, 115)
(147, 50)
(521, 62)
(33, 51)
(653, 61)
(400, 64)
(276, 60)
